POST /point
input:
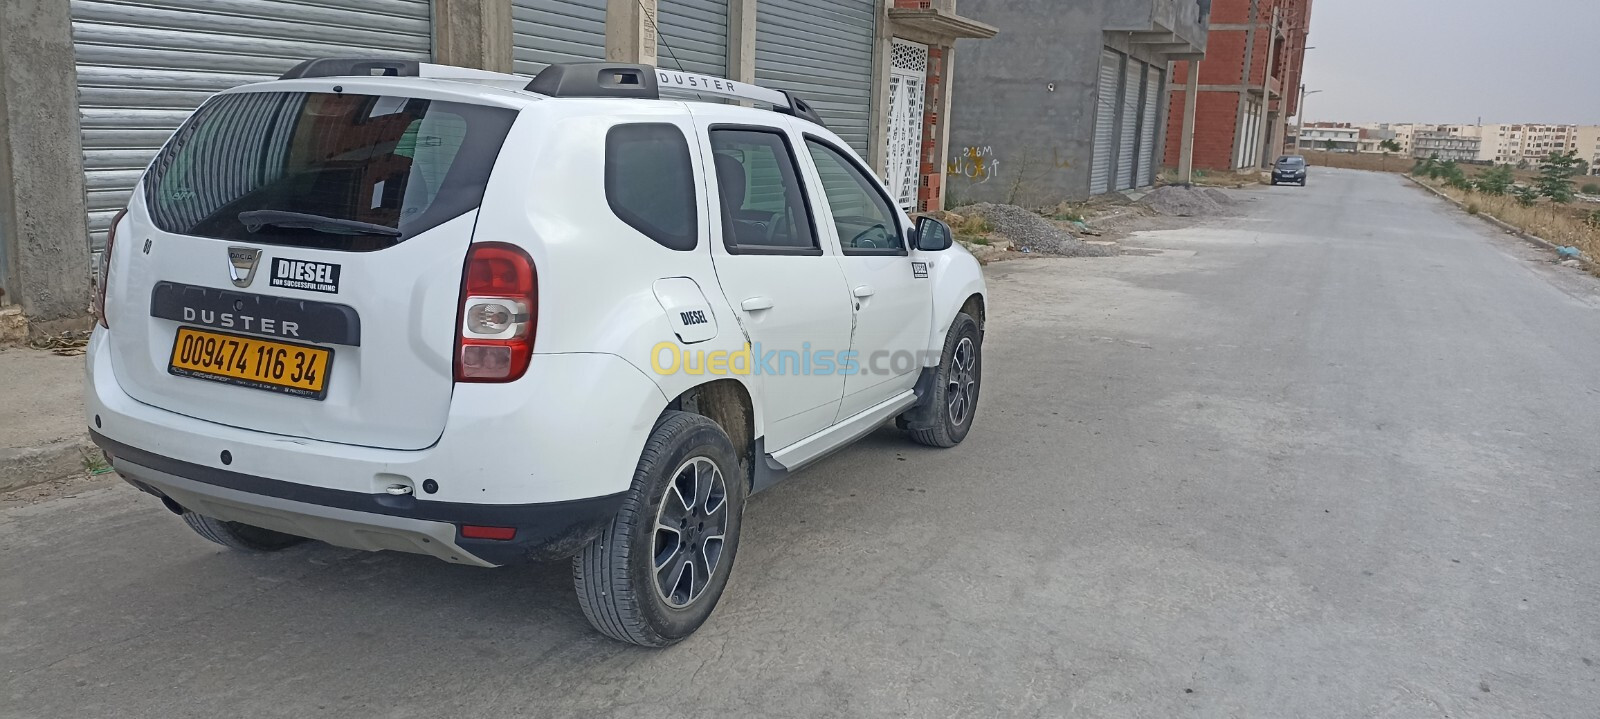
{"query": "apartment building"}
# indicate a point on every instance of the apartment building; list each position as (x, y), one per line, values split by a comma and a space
(1516, 144)
(1330, 136)
(1588, 145)
(1373, 135)
(1453, 143)
(1247, 86)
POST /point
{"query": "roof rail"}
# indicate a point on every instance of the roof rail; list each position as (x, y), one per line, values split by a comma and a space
(353, 66)
(579, 79)
(391, 67)
(606, 79)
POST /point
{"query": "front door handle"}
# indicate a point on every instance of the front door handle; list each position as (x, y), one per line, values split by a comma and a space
(757, 304)
(865, 291)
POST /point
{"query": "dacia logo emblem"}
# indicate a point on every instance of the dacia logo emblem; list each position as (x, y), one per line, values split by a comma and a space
(242, 265)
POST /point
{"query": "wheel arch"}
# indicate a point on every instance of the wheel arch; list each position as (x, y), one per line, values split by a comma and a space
(729, 403)
(958, 287)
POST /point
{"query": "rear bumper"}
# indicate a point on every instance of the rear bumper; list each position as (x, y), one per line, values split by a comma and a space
(373, 522)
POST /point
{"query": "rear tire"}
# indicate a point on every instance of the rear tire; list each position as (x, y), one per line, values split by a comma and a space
(240, 537)
(656, 574)
(948, 411)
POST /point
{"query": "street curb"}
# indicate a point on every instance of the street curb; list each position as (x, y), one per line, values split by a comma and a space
(27, 466)
(1491, 219)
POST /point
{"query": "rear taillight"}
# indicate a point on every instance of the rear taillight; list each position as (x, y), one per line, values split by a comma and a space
(499, 305)
(105, 270)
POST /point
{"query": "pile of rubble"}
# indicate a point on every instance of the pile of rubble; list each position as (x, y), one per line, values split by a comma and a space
(1030, 233)
(1187, 201)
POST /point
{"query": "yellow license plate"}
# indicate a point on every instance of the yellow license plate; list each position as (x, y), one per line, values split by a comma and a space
(300, 370)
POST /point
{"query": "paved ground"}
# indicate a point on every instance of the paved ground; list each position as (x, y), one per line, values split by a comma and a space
(1334, 458)
(41, 417)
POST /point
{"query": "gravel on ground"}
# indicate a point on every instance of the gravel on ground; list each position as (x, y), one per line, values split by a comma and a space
(1182, 201)
(1029, 232)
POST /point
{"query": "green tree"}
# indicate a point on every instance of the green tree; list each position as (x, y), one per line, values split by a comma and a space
(1453, 175)
(1555, 178)
(1388, 146)
(1329, 145)
(1526, 195)
(1495, 180)
(1583, 165)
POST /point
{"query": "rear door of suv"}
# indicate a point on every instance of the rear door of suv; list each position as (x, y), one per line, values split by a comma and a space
(292, 260)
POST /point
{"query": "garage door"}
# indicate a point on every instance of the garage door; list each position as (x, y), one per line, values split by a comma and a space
(821, 50)
(1128, 123)
(694, 36)
(546, 32)
(144, 65)
(1105, 122)
(1148, 124)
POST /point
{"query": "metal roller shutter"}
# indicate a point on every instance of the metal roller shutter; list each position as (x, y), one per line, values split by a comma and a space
(144, 65)
(694, 34)
(1151, 112)
(1105, 122)
(546, 32)
(822, 51)
(1128, 124)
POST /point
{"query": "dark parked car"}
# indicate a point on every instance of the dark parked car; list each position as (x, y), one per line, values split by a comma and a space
(1289, 168)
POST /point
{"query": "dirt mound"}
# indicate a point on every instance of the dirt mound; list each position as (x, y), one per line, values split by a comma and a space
(1180, 201)
(1031, 233)
(1221, 198)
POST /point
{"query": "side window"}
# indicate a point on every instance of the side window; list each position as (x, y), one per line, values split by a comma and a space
(866, 221)
(763, 203)
(650, 182)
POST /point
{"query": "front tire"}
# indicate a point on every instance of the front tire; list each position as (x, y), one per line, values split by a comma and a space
(240, 537)
(946, 416)
(656, 574)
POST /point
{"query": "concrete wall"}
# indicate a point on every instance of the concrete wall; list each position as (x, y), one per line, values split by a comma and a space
(1022, 104)
(46, 238)
(473, 33)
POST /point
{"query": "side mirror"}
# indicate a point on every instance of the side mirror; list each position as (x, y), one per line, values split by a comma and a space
(933, 235)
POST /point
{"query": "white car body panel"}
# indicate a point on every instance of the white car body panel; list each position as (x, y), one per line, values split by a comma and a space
(609, 298)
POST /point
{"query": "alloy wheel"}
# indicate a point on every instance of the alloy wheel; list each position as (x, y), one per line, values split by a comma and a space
(962, 392)
(691, 530)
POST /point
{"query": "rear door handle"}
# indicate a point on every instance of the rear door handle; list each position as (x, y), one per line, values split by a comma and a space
(757, 304)
(865, 291)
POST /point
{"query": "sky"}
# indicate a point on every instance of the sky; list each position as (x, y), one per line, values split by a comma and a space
(1454, 61)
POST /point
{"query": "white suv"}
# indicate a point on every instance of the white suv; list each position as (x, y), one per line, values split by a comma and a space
(389, 305)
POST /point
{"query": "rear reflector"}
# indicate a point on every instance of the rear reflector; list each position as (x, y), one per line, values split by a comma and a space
(471, 531)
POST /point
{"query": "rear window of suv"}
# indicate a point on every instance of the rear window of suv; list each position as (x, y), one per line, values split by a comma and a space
(326, 170)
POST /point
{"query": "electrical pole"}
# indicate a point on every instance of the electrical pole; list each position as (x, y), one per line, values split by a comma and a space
(1300, 121)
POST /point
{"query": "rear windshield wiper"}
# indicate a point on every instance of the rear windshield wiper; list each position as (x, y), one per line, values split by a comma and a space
(254, 220)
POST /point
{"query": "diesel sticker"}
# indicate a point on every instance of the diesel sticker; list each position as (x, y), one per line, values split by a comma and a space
(305, 275)
(919, 269)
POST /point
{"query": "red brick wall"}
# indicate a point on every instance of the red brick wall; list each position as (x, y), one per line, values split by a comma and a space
(1216, 119)
(928, 191)
(1216, 115)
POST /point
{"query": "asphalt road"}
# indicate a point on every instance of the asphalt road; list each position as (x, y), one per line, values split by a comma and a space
(1334, 457)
